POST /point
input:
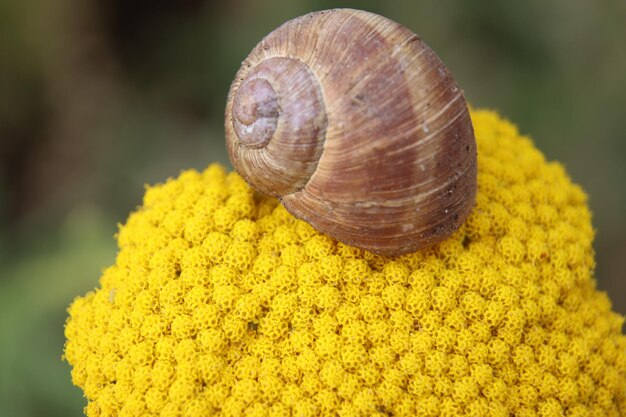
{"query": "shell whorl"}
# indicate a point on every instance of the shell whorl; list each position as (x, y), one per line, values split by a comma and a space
(279, 122)
(358, 128)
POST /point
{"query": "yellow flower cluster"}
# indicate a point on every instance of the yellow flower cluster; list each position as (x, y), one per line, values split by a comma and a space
(221, 303)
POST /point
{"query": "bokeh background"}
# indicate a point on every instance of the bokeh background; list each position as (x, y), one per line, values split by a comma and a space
(99, 97)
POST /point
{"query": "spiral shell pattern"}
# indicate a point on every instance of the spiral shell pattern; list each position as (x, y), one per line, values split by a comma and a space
(355, 124)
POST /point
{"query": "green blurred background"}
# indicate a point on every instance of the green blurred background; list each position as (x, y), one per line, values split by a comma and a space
(99, 97)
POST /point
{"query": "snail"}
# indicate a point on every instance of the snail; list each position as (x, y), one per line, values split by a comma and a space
(358, 128)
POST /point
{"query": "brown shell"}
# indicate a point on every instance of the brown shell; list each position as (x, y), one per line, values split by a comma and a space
(355, 124)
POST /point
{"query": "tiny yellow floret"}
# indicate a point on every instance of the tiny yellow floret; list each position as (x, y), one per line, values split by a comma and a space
(222, 303)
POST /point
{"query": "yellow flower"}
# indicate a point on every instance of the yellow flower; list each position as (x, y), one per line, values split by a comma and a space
(221, 303)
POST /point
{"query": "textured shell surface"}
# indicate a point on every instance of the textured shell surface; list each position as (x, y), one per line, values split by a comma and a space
(355, 124)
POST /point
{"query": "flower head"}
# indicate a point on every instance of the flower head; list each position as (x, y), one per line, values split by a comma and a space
(222, 303)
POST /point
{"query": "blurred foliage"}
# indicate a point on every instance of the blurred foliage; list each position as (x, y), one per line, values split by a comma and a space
(100, 97)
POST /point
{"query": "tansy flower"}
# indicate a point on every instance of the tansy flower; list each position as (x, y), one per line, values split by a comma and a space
(221, 303)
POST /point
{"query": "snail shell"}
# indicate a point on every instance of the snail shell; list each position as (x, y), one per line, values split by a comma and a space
(355, 124)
